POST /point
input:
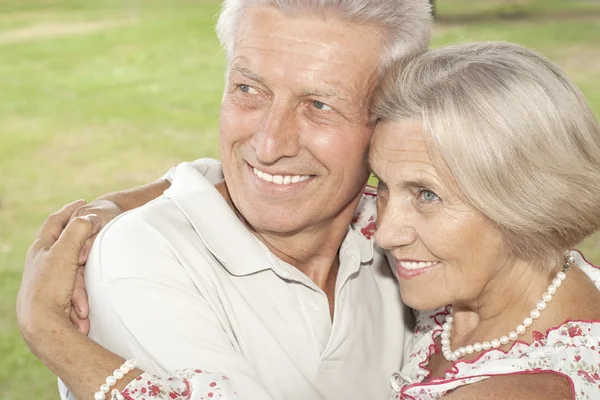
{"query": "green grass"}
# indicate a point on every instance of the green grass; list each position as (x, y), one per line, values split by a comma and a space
(103, 95)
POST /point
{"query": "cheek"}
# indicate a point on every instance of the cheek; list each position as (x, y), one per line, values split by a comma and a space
(235, 123)
(343, 150)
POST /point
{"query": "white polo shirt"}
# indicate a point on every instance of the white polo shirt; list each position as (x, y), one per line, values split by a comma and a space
(182, 283)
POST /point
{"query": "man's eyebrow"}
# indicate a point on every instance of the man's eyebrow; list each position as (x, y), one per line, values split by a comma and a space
(326, 93)
(245, 72)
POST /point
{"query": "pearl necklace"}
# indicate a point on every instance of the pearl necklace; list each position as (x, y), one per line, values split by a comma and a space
(512, 336)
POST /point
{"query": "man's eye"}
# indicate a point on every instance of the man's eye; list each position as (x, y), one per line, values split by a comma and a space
(428, 195)
(247, 89)
(321, 106)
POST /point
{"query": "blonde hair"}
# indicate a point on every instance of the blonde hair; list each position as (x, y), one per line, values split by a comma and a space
(406, 24)
(517, 137)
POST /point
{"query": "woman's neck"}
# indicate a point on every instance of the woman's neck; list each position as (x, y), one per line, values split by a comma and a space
(502, 305)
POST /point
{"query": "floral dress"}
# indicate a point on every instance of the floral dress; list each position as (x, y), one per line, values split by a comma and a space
(571, 350)
(186, 384)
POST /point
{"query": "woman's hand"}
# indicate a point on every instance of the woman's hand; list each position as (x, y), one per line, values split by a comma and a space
(44, 305)
(50, 271)
(106, 210)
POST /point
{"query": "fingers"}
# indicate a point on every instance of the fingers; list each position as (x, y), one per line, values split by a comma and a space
(82, 325)
(85, 250)
(67, 248)
(80, 297)
(54, 225)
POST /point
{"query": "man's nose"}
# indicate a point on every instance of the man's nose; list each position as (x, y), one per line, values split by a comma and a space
(394, 228)
(278, 134)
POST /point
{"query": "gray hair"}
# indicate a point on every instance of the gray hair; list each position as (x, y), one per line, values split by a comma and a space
(405, 23)
(515, 135)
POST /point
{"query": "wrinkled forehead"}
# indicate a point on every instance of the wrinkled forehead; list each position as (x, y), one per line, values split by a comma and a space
(330, 49)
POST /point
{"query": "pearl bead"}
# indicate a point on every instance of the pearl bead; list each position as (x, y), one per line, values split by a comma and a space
(124, 369)
(569, 257)
(547, 297)
(556, 282)
(105, 388)
(111, 381)
(118, 374)
(130, 364)
(504, 340)
(99, 396)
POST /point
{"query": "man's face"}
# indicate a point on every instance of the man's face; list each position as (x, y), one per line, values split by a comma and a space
(294, 119)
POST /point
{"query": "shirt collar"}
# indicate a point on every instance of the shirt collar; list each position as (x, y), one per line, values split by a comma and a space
(221, 231)
(226, 237)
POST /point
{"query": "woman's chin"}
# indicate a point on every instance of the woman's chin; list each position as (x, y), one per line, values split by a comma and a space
(421, 300)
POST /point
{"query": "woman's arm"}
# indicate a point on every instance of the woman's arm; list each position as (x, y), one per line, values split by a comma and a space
(44, 304)
(542, 386)
(43, 307)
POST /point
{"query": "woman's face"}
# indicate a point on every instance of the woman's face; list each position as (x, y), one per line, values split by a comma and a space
(443, 249)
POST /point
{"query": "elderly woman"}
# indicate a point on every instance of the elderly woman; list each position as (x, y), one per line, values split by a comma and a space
(488, 161)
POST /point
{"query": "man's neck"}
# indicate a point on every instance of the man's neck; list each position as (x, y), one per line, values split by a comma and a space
(313, 251)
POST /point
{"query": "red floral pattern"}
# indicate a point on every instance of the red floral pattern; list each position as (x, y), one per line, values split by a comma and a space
(571, 350)
(186, 384)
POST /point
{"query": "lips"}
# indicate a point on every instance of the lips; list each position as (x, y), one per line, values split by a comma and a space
(279, 179)
(410, 269)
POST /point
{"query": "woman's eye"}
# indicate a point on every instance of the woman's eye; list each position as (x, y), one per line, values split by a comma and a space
(428, 195)
(247, 89)
(321, 106)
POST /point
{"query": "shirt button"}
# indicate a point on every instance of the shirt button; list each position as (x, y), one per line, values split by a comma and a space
(395, 382)
(314, 307)
(399, 380)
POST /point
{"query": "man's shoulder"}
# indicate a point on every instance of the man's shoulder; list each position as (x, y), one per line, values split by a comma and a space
(139, 243)
(365, 216)
(145, 223)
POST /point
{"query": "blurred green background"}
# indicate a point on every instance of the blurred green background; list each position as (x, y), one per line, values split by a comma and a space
(102, 95)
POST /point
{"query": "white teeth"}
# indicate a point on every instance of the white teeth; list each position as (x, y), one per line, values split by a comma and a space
(416, 265)
(280, 179)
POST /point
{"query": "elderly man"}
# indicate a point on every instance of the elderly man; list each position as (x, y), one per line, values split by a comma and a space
(263, 278)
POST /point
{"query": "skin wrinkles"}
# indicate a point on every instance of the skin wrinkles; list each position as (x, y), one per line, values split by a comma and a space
(276, 124)
(352, 108)
(490, 292)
